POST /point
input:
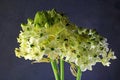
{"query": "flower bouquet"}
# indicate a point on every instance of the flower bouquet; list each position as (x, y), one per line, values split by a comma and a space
(50, 37)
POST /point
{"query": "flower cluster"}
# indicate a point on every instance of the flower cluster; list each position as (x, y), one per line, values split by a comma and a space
(51, 36)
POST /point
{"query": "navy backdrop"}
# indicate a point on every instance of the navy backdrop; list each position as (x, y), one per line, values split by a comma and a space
(103, 15)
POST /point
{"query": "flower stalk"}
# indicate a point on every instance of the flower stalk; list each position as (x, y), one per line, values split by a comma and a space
(79, 74)
(61, 69)
(55, 69)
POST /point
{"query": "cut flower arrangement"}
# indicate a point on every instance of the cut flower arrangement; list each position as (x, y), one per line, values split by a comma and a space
(50, 37)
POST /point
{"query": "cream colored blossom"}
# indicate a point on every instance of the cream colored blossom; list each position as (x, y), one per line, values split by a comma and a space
(51, 36)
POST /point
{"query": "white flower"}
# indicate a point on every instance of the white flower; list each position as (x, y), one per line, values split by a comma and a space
(51, 36)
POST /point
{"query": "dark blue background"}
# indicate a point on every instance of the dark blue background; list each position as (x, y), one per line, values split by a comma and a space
(103, 15)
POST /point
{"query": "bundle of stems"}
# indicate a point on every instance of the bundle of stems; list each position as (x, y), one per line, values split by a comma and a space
(59, 73)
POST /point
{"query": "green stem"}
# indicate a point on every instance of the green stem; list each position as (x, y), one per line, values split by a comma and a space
(55, 69)
(79, 74)
(61, 69)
